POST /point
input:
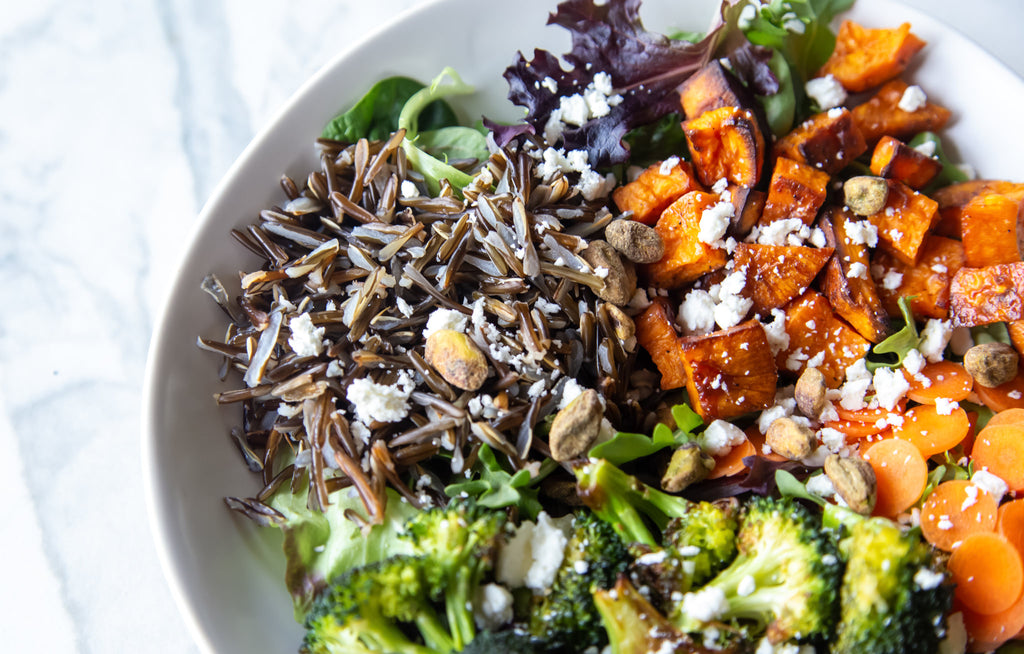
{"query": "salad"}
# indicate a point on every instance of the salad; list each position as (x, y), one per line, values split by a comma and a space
(716, 350)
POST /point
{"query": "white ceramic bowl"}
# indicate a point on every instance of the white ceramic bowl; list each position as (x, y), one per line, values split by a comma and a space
(227, 575)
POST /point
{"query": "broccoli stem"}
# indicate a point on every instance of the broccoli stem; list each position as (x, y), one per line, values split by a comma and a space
(433, 631)
(381, 634)
(457, 607)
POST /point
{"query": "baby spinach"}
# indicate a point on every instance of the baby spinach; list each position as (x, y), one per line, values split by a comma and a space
(375, 115)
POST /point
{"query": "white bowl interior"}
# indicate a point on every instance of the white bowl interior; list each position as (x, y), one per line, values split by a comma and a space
(226, 574)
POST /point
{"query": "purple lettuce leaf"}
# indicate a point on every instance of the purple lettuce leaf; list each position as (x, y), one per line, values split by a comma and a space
(750, 64)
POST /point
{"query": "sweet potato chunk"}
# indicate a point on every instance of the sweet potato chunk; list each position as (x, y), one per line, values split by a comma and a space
(656, 334)
(864, 58)
(686, 256)
(990, 228)
(928, 281)
(953, 198)
(749, 205)
(848, 284)
(657, 187)
(729, 372)
(827, 141)
(904, 222)
(881, 115)
(726, 143)
(776, 274)
(894, 159)
(818, 337)
(796, 190)
(980, 296)
(713, 87)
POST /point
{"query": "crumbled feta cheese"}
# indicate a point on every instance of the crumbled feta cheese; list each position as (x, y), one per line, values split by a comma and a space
(934, 338)
(857, 270)
(890, 386)
(927, 148)
(821, 486)
(945, 524)
(652, 558)
(493, 607)
(360, 431)
(533, 554)
(913, 362)
(927, 579)
(720, 437)
(833, 439)
(892, 280)
(746, 587)
(826, 91)
(444, 319)
(286, 410)
(714, 222)
(375, 402)
(913, 98)
(775, 331)
(306, 339)
(570, 392)
(862, 232)
(550, 84)
(770, 415)
(945, 407)
(697, 311)
(689, 550)
(972, 497)
(581, 567)
(593, 185)
(574, 109)
(706, 604)
(990, 483)
(668, 165)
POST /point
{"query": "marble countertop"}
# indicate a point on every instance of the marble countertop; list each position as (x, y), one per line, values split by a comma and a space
(118, 119)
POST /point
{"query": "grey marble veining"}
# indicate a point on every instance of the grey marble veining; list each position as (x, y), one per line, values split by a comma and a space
(117, 119)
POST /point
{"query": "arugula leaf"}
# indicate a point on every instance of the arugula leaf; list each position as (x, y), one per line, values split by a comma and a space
(496, 488)
(319, 546)
(624, 447)
(899, 344)
(375, 115)
(950, 173)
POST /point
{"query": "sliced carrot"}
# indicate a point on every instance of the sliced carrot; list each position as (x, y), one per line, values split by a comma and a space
(1010, 523)
(1000, 450)
(870, 415)
(932, 432)
(1008, 417)
(732, 463)
(901, 474)
(855, 429)
(988, 573)
(952, 513)
(987, 632)
(1002, 398)
(946, 379)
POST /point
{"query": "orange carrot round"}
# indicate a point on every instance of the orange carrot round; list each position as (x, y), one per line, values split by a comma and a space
(855, 429)
(932, 432)
(869, 415)
(946, 379)
(1002, 398)
(901, 474)
(1000, 450)
(1010, 523)
(732, 463)
(955, 510)
(1008, 417)
(988, 573)
(987, 632)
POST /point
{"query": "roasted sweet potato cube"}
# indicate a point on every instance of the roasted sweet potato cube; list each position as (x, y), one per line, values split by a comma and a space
(729, 372)
(748, 204)
(796, 190)
(686, 256)
(712, 87)
(981, 296)
(658, 186)
(928, 281)
(848, 284)
(991, 229)
(864, 58)
(881, 115)
(819, 338)
(827, 141)
(953, 198)
(894, 159)
(726, 143)
(904, 222)
(657, 335)
(1016, 329)
(778, 273)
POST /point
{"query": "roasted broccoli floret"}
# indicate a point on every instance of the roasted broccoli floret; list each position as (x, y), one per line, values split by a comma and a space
(784, 581)
(509, 641)
(459, 542)
(365, 609)
(565, 617)
(894, 597)
(623, 501)
(705, 535)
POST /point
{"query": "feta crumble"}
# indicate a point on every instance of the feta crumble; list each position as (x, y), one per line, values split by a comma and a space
(444, 319)
(826, 91)
(934, 338)
(375, 402)
(990, 483)
(306, 340)
(493, 607)
(913, 98)
(721, 437)
(706, 604)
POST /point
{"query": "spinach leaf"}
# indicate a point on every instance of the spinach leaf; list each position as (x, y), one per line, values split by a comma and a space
(657, 141)
(950, 173)
(454, 143)
(375, 115)
(780, 107)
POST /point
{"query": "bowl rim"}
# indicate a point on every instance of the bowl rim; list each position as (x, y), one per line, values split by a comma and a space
(157, 511)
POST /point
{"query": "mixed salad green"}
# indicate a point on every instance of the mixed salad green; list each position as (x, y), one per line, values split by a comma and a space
(484, 542)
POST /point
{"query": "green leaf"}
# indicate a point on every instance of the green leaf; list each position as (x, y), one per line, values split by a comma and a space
(625, 447)
(319, 546)
(454, 143)
(780, 108)
(897, 345)
(686, 418)
(950, 173)
(657, 141)
(996, 332)
(790, 486)
(496, 488)
(375, 115)
(984, 413)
